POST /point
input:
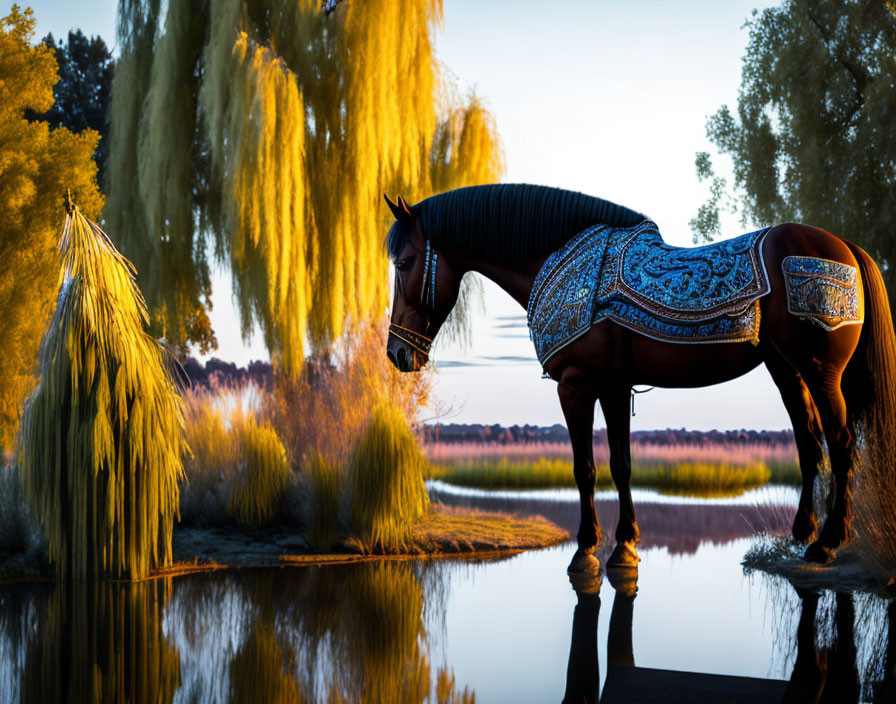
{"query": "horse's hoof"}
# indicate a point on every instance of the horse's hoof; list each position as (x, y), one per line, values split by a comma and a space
(818, 553)
(624, 556)
(804, 527)
(584, 562)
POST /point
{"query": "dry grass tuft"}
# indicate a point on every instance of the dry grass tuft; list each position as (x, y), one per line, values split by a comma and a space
(237, 467)
(385, 480)
(257, 494)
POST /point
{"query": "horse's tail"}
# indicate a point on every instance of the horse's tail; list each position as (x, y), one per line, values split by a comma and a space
(870, 378)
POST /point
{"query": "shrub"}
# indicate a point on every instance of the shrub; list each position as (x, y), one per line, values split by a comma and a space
(237, 466)
(326, 484)
(211, 461)
(385, 476)
(324, 410)
(263, 474)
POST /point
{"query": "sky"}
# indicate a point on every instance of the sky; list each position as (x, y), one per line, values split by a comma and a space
(606, 98)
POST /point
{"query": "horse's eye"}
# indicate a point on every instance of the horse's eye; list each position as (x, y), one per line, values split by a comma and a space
(405, 264)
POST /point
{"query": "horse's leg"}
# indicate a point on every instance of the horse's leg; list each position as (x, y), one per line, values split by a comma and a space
(616, 408)
(808, 434)
(823, 381)
(577, 401)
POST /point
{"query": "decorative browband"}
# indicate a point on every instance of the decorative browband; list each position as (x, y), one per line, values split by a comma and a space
(419, 342)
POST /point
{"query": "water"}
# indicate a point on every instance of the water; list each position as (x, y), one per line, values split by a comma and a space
(504, 628)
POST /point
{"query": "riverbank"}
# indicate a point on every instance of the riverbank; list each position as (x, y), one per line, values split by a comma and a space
(442, 532)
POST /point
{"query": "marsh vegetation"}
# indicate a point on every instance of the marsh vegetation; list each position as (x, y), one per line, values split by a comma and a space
(685, 470)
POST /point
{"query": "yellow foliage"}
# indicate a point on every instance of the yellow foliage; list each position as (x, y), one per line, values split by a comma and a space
(101, 642)
(36, 166)
(260, 671)
(289, 124)
(236, 464)
(323, 412)
(385, 476)
(258, 492)
(102, 435)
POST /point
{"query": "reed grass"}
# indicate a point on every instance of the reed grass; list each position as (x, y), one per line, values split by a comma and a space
(257, 495)
(327, 483)
(237, 468)
(385, 480)
(543, 473)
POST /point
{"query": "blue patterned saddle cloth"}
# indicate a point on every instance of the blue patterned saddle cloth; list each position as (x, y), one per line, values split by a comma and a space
(629, 275)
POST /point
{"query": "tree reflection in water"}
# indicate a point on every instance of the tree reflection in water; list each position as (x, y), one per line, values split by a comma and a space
(351, 633)
(89, 641)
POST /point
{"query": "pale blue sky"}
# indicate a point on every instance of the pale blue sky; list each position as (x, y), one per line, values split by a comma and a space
(608, 98)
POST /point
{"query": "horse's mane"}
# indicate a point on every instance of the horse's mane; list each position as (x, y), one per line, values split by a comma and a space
(508, 223)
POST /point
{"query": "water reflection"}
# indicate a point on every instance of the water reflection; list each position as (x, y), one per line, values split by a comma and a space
(837, 662)
(87, 642)
(330, 634)
(583, 670)
(336, 634)
(679, 527)
(512, 631)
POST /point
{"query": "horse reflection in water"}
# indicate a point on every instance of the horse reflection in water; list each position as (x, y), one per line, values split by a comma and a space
(825, 669)
(583, 671)
(610, 305)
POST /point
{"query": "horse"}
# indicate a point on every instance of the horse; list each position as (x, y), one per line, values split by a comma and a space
(836, 375)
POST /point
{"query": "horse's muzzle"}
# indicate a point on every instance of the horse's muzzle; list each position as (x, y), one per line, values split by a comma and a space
(406, 349)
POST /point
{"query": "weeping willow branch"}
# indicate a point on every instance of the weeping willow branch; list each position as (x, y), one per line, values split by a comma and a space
(101, 438)
(271, 129)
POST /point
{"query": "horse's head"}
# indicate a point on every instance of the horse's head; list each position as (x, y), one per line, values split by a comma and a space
(426, 289)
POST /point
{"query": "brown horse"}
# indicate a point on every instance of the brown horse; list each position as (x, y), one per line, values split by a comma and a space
(836, 384)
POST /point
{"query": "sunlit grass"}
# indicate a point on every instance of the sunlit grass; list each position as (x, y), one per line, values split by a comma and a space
(237, 467)
(689, 479)
(327, 483)
(385, 477)
(258, 491)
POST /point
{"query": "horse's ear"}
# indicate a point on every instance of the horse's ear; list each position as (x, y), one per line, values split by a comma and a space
(400, 211)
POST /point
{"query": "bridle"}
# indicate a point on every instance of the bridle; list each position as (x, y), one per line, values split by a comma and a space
(419, 341)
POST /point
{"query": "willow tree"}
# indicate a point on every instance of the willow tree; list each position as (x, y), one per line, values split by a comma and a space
(267, 131)
(101, 437)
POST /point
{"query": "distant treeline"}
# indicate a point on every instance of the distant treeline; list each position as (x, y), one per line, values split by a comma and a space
(262, 373)
(192, 372)
(501, 435)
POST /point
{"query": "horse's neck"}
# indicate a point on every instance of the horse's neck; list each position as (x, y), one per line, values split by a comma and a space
(517, 280)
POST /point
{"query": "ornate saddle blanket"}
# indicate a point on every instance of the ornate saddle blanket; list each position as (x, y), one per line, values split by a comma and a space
(629, 275)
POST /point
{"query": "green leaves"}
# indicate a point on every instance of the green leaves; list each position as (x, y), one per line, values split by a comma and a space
(811, 138)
